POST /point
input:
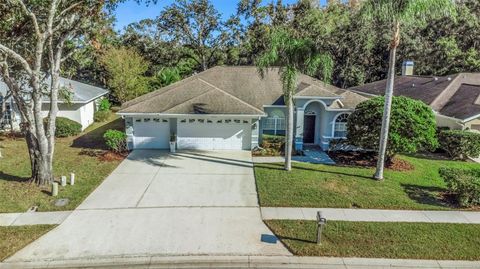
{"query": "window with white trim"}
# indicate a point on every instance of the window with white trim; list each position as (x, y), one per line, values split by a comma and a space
(275, 121)
(341, 125)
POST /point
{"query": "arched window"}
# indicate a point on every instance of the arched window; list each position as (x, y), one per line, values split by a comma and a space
(277, 113)
(340, 129)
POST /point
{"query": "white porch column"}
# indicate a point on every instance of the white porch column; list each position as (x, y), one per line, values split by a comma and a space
(255, 132)
(299, 129)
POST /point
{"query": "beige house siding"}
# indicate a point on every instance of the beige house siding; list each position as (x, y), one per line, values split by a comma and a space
(473, 125)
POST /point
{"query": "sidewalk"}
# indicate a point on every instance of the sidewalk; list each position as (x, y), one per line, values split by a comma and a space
(33, 218)
(242, 262)
(374, 215)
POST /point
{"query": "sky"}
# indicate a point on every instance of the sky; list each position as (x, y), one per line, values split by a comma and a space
(130, 11)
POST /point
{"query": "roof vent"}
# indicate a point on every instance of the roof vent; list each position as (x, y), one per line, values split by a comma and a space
(413, 85)
(449, 78)
(435, 78)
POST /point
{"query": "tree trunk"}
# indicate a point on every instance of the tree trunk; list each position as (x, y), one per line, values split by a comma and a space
(40, 163)
(289, 136)
(388, 105)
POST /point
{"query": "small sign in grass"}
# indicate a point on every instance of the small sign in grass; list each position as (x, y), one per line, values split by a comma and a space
(381, 240)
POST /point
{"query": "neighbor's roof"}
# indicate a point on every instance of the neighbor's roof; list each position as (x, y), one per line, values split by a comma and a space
(82, 93)
(231, 90)
(456, 96)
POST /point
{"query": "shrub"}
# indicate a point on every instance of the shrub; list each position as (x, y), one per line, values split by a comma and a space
(460, 144)
(412, 126)
(464, 184)
(102, 115)
(116, 140)
(104, 105)
(65, 127)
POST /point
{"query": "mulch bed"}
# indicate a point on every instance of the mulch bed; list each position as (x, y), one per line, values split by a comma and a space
(367, 159)
(110, 156)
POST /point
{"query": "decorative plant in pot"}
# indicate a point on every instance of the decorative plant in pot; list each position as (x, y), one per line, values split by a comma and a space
(173, 142)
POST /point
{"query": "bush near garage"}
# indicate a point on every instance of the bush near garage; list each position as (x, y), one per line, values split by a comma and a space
(65, 127)
(464, 184)
(460, 144)
(104, 105)
(102, 115)
(116, 140)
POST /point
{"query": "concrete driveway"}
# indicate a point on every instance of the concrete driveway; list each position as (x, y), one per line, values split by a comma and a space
(156, 203)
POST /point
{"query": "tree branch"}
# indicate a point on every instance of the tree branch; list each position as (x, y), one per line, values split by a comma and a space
(32, 16)
(17, 57)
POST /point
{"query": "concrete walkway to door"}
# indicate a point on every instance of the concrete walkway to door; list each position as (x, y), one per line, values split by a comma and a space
(156, 203)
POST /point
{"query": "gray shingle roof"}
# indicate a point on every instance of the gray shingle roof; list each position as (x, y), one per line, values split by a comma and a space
(230, 90)
(82, 93)
(453, 96)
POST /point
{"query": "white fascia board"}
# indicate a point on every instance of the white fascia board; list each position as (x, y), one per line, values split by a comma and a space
(319, 97)
(190, 115)
(471, 118)
(364, 93)
(274, 106)
(78, 102)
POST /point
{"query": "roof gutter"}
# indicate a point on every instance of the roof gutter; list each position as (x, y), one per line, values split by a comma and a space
(78, 102)
(471, 118)
(318, 97)
(190, 115)
(364, 93)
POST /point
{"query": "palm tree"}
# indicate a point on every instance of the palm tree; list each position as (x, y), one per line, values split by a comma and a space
(292, 56)
(397, 14)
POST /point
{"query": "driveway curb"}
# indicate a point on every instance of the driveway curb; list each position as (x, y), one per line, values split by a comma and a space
(241, 262)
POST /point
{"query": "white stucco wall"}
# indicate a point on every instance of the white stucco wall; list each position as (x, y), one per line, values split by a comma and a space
(451, 123)
(81, 113)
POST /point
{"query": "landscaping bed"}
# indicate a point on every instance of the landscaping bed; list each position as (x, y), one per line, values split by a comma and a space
(381, 239)
(14, 238)
(367, 159)
(85, 155)
(273, 145)
(315, 185)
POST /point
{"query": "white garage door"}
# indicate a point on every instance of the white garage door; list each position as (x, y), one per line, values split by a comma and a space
(214, 134)
(151, 133)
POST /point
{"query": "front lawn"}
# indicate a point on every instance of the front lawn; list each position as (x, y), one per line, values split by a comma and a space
(313, 185)
(75, 154)
(14, 238)
(381, 240)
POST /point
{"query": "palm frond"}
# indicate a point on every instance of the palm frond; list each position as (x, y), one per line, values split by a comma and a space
(422, 10)
(322, 63)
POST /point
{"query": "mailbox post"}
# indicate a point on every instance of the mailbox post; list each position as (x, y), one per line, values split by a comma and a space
(321, 222)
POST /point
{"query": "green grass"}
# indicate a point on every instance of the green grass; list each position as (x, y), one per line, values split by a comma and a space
(312, 185)
(381, 240)
(74, 154)
(14, 238)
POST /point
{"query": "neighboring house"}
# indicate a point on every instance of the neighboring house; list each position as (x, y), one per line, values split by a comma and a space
(232, 107)
(455, 99)
(80, 108)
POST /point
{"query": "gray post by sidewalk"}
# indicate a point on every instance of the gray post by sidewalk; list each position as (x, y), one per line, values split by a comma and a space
(321, 222)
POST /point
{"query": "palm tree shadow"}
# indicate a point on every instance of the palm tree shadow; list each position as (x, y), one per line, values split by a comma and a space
(280, 167)
(427, 195)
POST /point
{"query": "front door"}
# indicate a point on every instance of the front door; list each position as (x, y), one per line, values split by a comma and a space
(309, 129)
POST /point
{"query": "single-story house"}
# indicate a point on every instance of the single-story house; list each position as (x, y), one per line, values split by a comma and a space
(80, 108)
(455, 99)
(232, 108)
